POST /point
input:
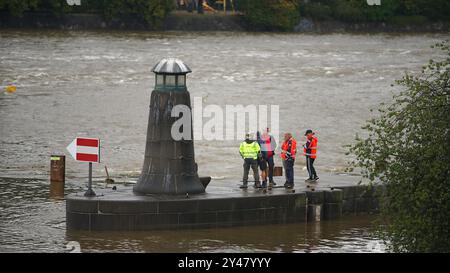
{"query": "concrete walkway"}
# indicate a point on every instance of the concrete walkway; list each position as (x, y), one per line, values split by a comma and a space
(223, 189)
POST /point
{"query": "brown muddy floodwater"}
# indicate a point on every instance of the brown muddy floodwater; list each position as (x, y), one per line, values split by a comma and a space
(98, 84)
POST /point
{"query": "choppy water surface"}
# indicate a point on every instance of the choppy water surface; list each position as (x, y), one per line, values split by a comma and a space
(98, 84)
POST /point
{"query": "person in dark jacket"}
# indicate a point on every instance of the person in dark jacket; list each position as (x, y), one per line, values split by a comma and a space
(268, 145)
(200, 7)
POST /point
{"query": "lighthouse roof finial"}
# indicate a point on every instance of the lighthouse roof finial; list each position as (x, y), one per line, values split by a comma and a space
(171, 66)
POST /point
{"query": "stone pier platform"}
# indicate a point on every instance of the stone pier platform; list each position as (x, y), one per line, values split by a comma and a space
(223, 205)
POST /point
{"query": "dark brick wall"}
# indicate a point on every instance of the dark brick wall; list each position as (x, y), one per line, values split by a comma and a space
(149, 213)
(190, 213)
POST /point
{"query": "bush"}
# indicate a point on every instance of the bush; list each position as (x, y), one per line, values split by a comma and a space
(360, 11)
(317, 11)
(349, 11)
(151, 12)
(433, 10)
(280, 15)
(381, 13)
(407, 149)
(408, 20)
(17, 7)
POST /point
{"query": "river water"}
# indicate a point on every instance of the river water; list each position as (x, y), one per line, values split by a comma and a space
(98, 84)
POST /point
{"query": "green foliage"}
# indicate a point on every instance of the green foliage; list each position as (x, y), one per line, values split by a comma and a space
(360, 11)
(404, 20)
(151, 12)
(57, 7)
(382, 12)
(17, 7)
(271, 14)
(435, 10)
(264, 15)
(350, 11)
(408, 150)
(317, 11)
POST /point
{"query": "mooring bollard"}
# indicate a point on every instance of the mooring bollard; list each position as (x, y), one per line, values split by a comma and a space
(57, 176)
(57, 190)
(57, 168)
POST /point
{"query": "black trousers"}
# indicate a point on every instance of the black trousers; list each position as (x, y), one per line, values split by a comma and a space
(289, 171)
(271, 165)
(310, 166)
(253, 163)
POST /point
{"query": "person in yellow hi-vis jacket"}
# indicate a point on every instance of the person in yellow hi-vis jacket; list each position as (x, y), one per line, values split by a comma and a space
(250, 150)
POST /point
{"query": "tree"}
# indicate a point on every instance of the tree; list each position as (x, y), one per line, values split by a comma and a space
(407, 149)
(17, 7)
(152, 12)
(271, 14)
(360, 11)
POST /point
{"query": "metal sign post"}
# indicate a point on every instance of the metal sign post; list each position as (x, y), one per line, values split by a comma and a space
(90, 192)
(87, 150)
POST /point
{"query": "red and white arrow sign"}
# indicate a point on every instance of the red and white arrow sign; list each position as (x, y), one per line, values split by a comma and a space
(85, 149)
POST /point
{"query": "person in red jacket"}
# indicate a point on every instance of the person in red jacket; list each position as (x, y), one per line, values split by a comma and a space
(288, 151)
(310, 151)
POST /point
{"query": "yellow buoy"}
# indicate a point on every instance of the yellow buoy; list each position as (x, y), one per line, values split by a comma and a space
(11, 88)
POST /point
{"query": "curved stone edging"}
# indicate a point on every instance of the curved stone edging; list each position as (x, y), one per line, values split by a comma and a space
(125, 211)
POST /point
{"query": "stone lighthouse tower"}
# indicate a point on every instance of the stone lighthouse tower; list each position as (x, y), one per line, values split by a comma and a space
(169, 164)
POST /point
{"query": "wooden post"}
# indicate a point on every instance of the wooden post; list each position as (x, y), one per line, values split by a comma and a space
(57, 176)
(57, 190)
(58, 168)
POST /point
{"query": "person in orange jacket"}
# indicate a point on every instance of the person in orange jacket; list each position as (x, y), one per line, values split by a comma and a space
(288, 151)
(310, 151)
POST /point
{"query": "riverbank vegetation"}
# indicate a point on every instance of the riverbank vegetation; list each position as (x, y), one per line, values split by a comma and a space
(281, 15)
(408, 150)
(285, 14)
(149, 12)
(390, 11)
(268, 15)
